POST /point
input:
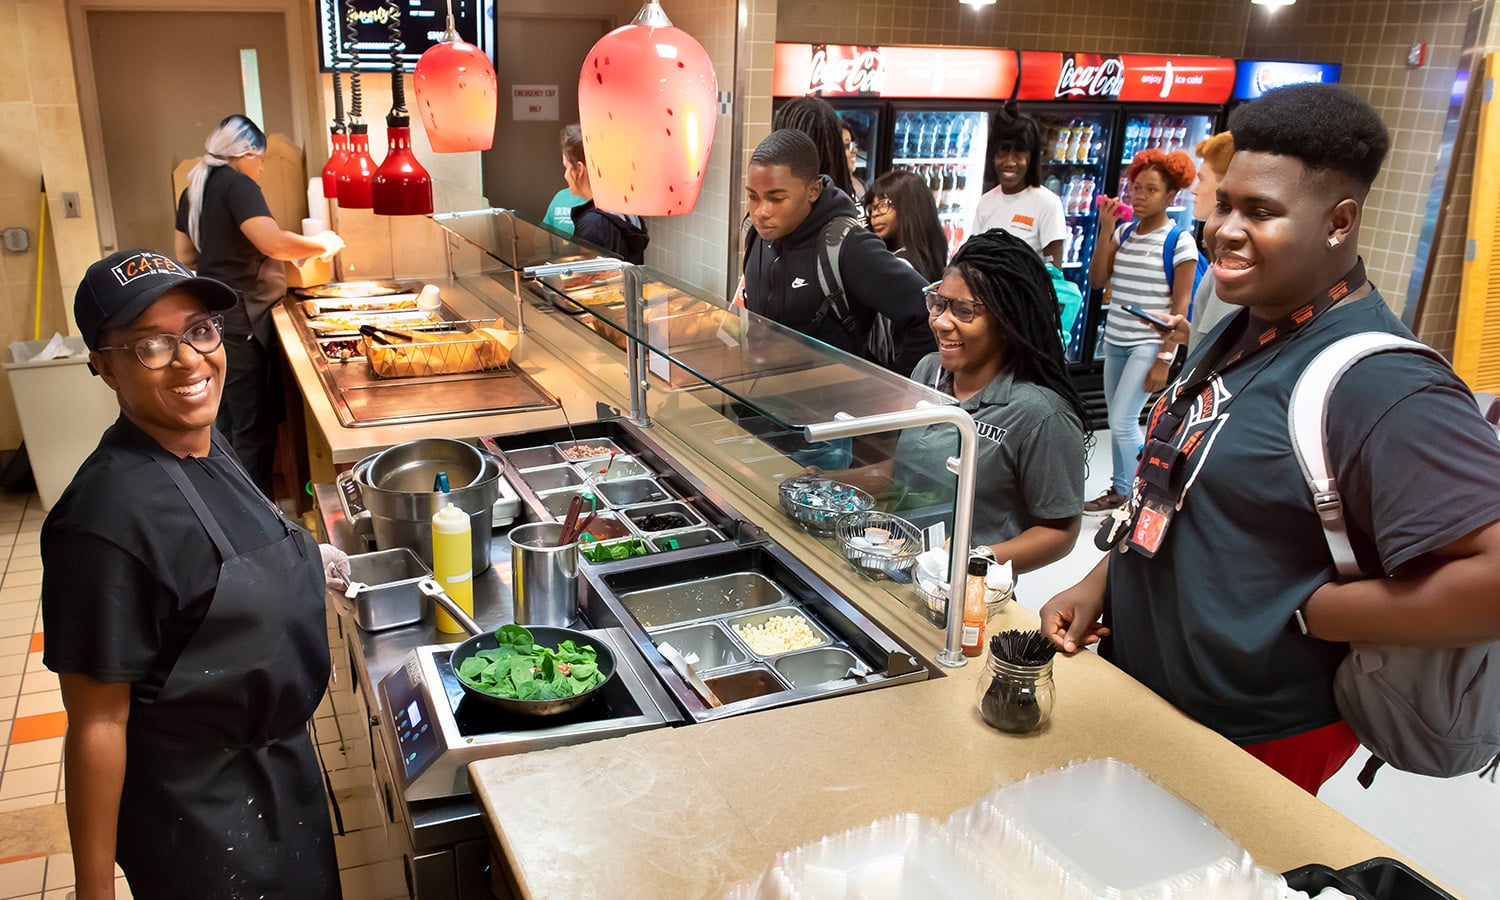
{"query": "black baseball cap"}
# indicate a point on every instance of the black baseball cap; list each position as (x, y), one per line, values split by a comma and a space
(123, 285)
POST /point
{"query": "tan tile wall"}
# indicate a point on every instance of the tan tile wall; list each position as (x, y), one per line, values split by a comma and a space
(41, 135)
(1371, 39)
(691, 247)
(1209, 27)
(758, 51)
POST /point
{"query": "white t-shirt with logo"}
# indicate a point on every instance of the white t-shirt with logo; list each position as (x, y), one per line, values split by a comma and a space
(1034, 214)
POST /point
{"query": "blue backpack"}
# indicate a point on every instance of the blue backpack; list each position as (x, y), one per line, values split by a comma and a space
(1168, 247)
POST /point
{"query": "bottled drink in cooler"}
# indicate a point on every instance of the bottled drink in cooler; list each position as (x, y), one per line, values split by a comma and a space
(903, 136)
(1060, 149)
(1054, 185)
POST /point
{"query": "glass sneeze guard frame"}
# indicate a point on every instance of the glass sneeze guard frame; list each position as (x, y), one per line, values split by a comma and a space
(790, 379)
(736, 386)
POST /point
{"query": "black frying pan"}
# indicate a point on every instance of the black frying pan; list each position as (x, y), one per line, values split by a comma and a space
(544, 635)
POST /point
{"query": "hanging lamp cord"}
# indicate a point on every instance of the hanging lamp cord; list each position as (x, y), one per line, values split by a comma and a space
(333, 65)
(398, 46)
(356, 106)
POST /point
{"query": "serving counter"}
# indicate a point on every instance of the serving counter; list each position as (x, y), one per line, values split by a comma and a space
(688, 811)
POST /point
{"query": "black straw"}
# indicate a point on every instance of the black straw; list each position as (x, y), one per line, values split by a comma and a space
(1022, 648)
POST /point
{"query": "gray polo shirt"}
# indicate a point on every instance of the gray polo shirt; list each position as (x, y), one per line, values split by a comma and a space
(1031, 457)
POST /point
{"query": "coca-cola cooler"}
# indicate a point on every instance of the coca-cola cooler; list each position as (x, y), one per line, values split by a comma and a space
(926, 110)
(1096, 112)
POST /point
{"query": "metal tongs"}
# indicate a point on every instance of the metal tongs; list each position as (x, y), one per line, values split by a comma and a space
(686, 670)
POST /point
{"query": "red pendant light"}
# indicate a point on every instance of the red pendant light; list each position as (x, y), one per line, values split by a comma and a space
(336, 160)
(647, 100)
(456, 94)
(401, 186)
(354, 176)
(339, 134)
(357, 174)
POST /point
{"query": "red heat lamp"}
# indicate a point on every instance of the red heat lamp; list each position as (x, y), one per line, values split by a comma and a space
(336, 161)
(647, 101)
(354, 188)
(401, 186)
(456, 94)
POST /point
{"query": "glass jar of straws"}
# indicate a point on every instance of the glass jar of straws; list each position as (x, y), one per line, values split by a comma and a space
(1016, 693)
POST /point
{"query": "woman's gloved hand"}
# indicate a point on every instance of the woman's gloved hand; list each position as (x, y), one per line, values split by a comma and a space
(331, 242)
(336, 572)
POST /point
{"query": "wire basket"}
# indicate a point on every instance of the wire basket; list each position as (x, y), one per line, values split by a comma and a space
(475, 345)
(879, 542)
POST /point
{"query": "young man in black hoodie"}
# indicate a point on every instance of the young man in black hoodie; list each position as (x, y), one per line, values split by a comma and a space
(790, 203)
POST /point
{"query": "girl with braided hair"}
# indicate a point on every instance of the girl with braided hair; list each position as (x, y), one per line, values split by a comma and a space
(995, 318)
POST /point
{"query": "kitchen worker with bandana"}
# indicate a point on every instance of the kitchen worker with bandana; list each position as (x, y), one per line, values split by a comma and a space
(185, 617)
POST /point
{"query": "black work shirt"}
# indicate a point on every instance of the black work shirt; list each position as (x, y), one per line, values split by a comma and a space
(1207, 623)
(230, 198)
(128, 570)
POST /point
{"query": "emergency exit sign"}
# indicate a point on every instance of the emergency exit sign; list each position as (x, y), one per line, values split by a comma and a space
(534, 102)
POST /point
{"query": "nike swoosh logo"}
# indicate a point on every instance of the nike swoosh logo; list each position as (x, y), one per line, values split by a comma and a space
(799, 282)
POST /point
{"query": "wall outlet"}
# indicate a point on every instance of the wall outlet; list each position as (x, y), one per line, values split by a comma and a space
(71, 209)
(726, 103)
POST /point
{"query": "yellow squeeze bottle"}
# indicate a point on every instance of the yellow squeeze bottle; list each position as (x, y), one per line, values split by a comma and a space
(453, 563)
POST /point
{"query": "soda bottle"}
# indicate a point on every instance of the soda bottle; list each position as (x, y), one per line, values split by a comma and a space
(1085, 142)
(903, 136)
(1132, 137)
(1060, 149)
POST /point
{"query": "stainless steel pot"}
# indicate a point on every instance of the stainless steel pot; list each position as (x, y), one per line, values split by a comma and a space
(413, 467)
(400, 518)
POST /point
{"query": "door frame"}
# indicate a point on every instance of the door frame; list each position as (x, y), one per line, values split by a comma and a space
(297, 53)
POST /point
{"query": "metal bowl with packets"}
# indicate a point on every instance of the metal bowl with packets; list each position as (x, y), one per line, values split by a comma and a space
(818, 503)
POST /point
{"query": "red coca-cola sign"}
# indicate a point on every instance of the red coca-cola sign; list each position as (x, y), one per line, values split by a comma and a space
(843, 71)
(1177, 79)
(1070, 76)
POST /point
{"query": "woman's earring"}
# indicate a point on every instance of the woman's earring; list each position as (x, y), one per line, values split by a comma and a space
(1333, 242)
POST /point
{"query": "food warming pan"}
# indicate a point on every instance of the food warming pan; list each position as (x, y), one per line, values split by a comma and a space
(544, 635)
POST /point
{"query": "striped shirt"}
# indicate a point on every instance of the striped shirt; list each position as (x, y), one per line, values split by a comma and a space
(1140, 279)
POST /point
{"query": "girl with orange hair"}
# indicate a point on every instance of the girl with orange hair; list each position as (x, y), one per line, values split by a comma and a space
(1131, 264)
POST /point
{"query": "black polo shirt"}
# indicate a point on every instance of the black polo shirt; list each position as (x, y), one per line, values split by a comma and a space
(1207, 623)
(229, 199)
(128, 570)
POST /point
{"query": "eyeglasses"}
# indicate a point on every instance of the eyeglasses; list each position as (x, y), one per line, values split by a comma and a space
(881, 205)
(158, 350)
(962, 310)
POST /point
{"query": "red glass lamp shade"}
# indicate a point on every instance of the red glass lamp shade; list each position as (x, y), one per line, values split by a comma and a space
(401, 186)
(647, 100)
(335, 164)
(357, 174)
(456, 96)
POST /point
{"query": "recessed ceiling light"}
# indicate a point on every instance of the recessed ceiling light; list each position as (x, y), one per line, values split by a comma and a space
(977, 3)
(1272, 2)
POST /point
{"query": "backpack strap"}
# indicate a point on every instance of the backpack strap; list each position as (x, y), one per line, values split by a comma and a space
(1307, 419)
(1169, 250)
(830, 279)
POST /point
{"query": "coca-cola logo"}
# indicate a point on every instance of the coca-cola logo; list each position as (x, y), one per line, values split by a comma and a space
(835, 74)
(1096, 76)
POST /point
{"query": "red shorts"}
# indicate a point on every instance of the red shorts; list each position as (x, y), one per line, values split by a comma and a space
(1310, 758)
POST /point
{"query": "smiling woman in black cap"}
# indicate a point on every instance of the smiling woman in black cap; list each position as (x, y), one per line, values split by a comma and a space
(185, 617)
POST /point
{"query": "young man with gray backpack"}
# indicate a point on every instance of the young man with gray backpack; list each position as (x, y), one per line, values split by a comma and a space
(1309, 559)
(810, 266)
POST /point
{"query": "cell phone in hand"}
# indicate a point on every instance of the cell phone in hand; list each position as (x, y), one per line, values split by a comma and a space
(1144, 316)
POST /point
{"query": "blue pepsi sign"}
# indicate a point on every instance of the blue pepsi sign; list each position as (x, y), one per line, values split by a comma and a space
(1253, 77)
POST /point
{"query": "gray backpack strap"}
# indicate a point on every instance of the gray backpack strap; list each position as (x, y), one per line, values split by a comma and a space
(1308, 418)
(830, 279)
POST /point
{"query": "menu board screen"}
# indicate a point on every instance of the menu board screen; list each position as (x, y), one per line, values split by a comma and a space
(366, 27)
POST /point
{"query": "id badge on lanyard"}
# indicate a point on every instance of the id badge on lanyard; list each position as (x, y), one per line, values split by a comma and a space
(1144, 521)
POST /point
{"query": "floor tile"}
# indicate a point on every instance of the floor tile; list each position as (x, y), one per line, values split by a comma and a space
(21, 579)
(34, 663)
(14, 645)
(23, 877)
(40, 704)
(45, 799)
(34, 753)
(26, 782)
(24, 624)
(24, 564)
(39, 681)
(38, 728)
(38, 643)
(13, 663)
(10, 686)
(59, 871)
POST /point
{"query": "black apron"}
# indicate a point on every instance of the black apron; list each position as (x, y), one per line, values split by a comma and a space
(223, 797)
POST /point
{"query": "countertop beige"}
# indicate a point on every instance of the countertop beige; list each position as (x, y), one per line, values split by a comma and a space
(687, 812)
